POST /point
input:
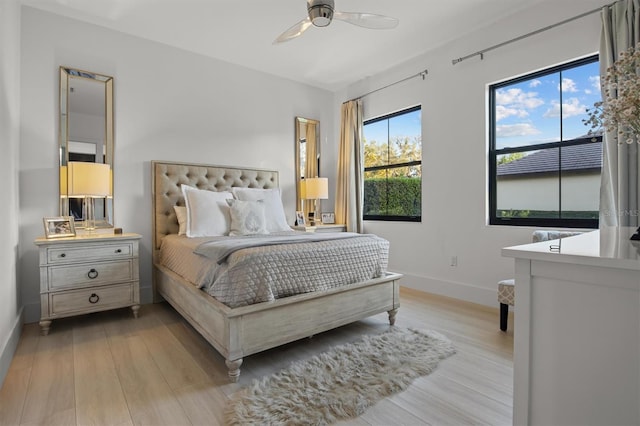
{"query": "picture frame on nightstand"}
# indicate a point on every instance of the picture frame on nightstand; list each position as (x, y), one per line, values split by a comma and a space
(328, 218)
(300, 218)
(59, 227)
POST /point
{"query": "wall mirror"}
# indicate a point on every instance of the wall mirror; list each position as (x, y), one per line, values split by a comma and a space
(307, 152)
(86, 135)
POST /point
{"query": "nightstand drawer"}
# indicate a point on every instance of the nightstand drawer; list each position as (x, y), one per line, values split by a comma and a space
(65, 276)
(78, 253)
(91, 299)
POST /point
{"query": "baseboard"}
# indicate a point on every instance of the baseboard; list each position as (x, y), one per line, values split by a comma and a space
(456, 290)
(10, 345)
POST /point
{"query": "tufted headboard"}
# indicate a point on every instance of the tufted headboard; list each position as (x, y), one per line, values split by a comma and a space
(166, 193)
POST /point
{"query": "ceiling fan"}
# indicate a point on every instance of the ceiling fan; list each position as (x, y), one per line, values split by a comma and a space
(321, 13)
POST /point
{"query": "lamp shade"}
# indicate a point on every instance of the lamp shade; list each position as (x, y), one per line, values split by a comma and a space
(303, 189)
(88, 179)
(316, 188)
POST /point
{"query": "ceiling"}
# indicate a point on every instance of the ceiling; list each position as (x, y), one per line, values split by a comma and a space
(242, 32)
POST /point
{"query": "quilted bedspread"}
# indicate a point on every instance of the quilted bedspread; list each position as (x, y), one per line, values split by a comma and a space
(220, 248)
(264, 273)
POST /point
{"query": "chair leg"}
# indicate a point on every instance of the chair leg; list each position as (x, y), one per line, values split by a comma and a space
(504, 316)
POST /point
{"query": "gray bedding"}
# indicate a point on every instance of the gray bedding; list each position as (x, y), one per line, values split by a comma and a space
(218, 249)
(250, 273)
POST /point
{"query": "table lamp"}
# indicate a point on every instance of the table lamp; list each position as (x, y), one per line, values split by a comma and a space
(315, 189)
(88, 181)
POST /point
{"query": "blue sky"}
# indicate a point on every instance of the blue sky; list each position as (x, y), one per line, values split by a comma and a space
(529, 112)
(402, 125)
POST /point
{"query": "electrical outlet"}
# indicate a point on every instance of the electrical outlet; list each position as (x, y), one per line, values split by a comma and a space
(454, 260)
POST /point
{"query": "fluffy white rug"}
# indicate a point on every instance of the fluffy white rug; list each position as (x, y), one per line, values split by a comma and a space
(341, 383)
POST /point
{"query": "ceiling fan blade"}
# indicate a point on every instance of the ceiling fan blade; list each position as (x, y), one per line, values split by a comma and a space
(294, 31)
(367, 20)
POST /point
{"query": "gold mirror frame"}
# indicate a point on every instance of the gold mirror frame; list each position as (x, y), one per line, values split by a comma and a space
(86, 131)
(307, 152)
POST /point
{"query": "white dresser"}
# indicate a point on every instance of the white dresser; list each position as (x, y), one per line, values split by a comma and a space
(87, 273)
(577, 330)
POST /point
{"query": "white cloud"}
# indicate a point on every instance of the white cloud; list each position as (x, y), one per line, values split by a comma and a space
(516, 98)
(504, 112)
(595, 82)
(520, 129)
(535, 83)
(568, 85)
(515, 102)
(570, 108)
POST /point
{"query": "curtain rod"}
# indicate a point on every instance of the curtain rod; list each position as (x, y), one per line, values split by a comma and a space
(513, 40)
(422, 74)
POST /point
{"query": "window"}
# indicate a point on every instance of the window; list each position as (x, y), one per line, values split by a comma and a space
(544, 166)
(393, 166)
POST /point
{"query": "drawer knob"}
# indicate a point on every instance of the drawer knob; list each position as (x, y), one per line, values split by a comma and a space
(63, 254)
(119, 251)
(94, 298)
(92, 273)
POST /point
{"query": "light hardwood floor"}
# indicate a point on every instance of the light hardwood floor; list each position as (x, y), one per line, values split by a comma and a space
(111, 369)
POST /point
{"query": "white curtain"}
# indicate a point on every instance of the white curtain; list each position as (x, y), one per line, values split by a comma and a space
(349, 186)
(620, 184)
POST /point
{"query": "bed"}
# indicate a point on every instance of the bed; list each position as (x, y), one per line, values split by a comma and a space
(236, 332)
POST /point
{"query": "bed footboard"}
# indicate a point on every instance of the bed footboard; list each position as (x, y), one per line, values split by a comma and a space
(239, 332)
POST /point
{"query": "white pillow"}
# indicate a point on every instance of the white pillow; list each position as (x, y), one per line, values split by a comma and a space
(247, 217)
(273, 210)
(181, 215)
(207, 212)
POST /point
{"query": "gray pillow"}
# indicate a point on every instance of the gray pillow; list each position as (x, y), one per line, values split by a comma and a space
(247, 217)
(273, 210)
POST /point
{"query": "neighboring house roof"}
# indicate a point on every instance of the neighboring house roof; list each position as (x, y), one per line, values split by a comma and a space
(574, 158)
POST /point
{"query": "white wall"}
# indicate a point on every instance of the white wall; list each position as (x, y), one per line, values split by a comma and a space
(10, 304)
(454, 135)
(169, 105)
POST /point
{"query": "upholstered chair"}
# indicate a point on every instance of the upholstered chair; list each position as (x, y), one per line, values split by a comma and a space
(506, 288)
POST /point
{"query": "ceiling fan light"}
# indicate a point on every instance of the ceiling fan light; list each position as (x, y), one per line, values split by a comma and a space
(320, 12)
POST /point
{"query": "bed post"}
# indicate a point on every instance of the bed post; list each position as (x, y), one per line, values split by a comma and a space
(392, 316)
(234, 368)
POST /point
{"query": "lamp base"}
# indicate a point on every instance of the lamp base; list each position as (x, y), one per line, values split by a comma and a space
(89, 214)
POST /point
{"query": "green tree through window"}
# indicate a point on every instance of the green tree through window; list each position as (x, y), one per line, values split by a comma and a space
(393, 166)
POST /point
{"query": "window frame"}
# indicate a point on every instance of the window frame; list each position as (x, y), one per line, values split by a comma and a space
(495, 153)
(394, 218)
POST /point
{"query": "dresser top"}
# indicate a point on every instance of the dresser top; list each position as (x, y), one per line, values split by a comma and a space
(609, 247)
(87, 238)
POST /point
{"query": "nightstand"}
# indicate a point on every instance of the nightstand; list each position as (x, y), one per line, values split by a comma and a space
(87, 273)
(305, 228)
(334, 227)
(322, 228)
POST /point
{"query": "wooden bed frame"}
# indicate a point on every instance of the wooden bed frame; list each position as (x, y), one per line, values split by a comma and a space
(242, 331)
